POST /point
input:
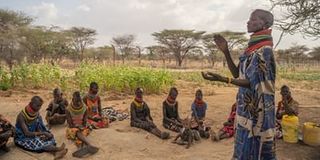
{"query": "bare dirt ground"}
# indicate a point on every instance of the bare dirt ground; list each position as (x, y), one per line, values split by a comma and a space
(120, 141)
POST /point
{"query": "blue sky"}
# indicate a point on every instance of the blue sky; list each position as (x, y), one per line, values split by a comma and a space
(143, 17)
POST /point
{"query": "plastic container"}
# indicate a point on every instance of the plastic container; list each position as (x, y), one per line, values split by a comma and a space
(290, 127)
(311, 134)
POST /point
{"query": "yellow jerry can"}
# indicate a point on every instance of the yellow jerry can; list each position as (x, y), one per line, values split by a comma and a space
(311, 134)
(290, 127)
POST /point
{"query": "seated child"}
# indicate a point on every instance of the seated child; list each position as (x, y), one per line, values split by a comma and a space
(228, 129)
(287, 106)
(6, 131)
(56, 111)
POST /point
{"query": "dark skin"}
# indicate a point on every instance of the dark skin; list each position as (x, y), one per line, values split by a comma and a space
(59, 152)
(56, 118)
(94, 90)
(254, 24)
(21, 120)
(198, 96)
(286, 95)
(136, 119)
(187, 133)
(148, 118)
(173, 95)
(78, 104)
(5, 135)
(139, 94)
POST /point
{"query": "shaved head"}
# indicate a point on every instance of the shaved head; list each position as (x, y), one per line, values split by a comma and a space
(265, 16)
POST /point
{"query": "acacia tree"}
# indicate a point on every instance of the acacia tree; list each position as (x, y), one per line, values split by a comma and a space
(46, 43)
(298, 16)
(298, 52)
(295, 53)
(315, 53)
(210, 47)
(139, 50)
(236, 40)
(36, 43)
(59, 44)
(113, 54)
(160, 51)
(103, 53)
(179, 42)
(81, 38)
(11, 25)
(125, 45)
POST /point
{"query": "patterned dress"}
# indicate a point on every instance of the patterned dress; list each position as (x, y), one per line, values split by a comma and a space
(255, 118)
(229, 129)
(34, 124)
(77, 117)
(92, 103)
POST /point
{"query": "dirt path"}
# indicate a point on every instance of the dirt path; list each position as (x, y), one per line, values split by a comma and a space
(120, 141)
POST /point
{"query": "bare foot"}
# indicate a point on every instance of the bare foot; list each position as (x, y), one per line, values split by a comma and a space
(60, 154)
(81, 152)
(62, 147)
(165, 135)
(5, 148)
(93, 149)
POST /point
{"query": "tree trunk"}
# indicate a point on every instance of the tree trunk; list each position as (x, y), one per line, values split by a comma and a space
(180, 62)
(11, 67)
(224, 63)
(139, 55)
(163, 62)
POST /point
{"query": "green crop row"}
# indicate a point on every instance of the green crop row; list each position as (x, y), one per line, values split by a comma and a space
(123, 79)
(117, 78)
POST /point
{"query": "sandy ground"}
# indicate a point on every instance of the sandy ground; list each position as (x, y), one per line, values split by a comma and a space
(120, 141)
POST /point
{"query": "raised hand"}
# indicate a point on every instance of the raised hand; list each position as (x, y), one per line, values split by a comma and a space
(221, 43)
(212, 76)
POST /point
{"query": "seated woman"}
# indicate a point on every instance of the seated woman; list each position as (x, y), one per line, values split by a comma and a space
(56, 111)
(31, 133)
(228, 127)
(77, 127)
(287, 106)
(6, 131)
(171, 119)
(93, 102)
(141, 118)
(199, 108)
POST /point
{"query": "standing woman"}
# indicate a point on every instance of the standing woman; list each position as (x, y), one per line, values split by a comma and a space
(255, 75)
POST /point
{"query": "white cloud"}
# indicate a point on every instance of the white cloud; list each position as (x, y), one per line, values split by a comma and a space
(143, 17)
(84, 8)
(47, 13)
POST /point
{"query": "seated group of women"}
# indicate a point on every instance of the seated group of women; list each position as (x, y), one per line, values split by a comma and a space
(141, 118)
(84, 114)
